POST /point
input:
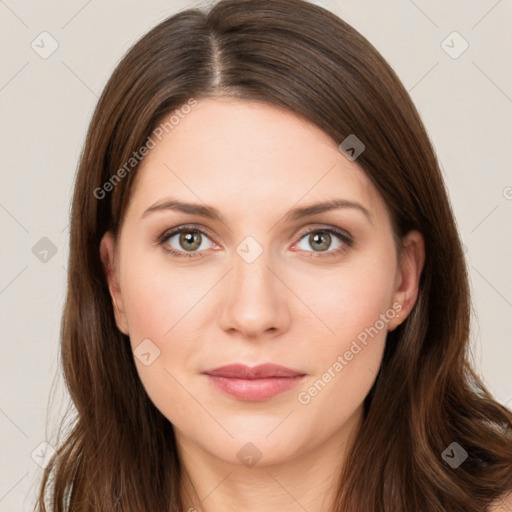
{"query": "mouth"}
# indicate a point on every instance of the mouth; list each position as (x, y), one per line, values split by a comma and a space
(256, 383)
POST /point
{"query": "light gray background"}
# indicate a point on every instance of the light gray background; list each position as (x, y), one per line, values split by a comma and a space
(46, 105)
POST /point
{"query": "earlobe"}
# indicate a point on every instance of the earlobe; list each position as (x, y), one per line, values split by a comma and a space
(411, 264)
(107, 255)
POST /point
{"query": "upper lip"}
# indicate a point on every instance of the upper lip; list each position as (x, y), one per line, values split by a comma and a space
(242, 371)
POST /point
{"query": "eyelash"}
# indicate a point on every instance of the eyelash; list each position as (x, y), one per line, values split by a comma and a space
(164, 238)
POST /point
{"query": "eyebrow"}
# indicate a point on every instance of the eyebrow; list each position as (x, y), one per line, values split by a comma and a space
(294, 214)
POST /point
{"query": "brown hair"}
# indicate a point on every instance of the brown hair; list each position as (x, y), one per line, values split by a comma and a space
(120, 453)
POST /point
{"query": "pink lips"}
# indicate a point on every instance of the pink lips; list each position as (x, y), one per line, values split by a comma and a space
(254, 383)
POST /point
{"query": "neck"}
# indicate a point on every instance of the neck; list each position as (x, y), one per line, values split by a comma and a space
(307, 481)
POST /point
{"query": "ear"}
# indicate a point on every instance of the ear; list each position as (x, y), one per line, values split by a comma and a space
(108, 258)
(411, 262)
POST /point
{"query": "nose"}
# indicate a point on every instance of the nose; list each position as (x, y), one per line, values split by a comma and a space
(254, 299)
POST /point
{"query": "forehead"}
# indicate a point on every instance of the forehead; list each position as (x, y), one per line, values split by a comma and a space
(244, 157)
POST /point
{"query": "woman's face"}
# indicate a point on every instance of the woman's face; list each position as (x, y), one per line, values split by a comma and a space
(259, 285)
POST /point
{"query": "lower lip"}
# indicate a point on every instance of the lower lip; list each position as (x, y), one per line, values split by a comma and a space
(254, 389)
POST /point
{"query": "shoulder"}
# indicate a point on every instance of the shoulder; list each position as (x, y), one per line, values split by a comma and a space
(502, 504)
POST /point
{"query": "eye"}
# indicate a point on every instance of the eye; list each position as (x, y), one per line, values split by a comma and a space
(190, 241)
(184, 241)
(322, 239)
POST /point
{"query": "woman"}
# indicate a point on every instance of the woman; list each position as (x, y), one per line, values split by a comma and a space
(268, 305)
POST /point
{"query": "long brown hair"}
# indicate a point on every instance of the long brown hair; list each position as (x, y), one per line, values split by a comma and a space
(120, 452)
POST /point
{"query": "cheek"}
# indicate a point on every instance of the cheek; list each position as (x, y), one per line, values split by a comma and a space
(147, 308)
(157, 296)
(354, 309)
(156, 311)
(350, 298)
(345, 364)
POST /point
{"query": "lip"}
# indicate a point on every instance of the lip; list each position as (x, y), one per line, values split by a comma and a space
(255, 383)
(242, 371)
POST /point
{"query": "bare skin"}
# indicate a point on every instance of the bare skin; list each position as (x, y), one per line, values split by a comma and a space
(301, 303)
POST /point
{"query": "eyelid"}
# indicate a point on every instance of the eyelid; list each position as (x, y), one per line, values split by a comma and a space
(324, 227)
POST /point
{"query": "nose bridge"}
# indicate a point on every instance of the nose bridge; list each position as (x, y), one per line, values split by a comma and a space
(252, 277)
(252, 269)
(254, 301)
